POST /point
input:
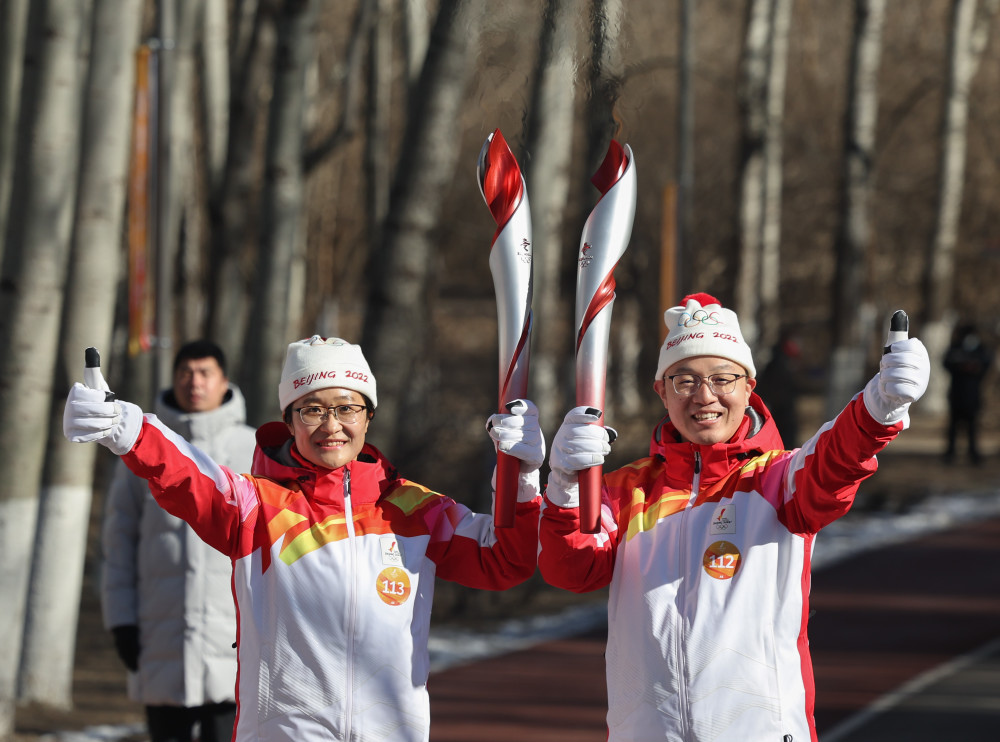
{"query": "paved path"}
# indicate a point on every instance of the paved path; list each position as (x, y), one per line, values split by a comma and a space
(913, 628)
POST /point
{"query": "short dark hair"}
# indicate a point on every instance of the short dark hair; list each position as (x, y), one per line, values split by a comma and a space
(201, 349)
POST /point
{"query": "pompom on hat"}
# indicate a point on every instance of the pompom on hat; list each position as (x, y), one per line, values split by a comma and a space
(700, 326)
(323, 363)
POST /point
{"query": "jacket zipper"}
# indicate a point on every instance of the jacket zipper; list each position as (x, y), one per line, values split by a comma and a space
(352, 611)
(684, 540)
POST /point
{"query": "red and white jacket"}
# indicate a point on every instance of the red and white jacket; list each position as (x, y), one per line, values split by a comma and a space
(333, 576)
(707, 551)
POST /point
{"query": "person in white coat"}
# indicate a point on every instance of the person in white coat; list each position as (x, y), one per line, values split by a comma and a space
(706, 543)
(167, 595)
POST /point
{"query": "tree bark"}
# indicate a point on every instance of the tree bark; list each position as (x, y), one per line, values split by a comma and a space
(606, 71)
(280, 246)
(88, 319)
(753, 110)
(854, 237)
(13, 17)
(215, 66)
(396, 339)
(32, 299)
(684, 252)
(187, 230)
(365, 19)
(378, 168)
(416, 37)
(770, 238)
(233, 218)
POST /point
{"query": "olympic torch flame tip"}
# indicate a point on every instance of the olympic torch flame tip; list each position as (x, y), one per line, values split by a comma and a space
(612, 168)
(500, 180)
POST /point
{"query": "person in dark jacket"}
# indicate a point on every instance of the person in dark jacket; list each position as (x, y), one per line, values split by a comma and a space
(967, 360)
(165, 593)
(778, 386)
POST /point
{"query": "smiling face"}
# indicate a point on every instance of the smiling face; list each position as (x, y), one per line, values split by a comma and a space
(704, 417)
(331, 444)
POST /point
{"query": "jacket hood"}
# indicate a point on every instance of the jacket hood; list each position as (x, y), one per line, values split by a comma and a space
(195, 426)
(277, 459)
(756, 434)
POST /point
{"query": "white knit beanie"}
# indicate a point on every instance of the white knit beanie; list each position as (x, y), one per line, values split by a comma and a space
(321, 363)
(699, 326)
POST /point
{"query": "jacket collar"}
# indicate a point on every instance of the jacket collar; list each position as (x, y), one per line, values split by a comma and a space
(276, 458)
(756, 434)
(195, 426)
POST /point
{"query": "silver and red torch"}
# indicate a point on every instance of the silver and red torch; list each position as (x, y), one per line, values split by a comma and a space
(503, 189)
(605, 236)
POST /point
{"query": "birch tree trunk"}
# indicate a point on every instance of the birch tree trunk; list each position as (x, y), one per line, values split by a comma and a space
(549, 147)
(167, 208)
(215, 88)
(88, 319)
(684, 201)
(280, 244)
(187, 227)
(415, 37)
(606, 71)
(33, 298)
(378, 168)
(13, 19)
(371, 33)
(970, 31)
(233, 216)
(753, 108)
(847, 364)
(770, 238)
(396, 338)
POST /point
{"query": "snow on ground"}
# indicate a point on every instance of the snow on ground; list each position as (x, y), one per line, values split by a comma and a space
(852, 534)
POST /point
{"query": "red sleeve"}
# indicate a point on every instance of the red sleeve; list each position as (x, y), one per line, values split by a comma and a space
(467, 549)
(187, 483)
(572, 560)
(823, 475)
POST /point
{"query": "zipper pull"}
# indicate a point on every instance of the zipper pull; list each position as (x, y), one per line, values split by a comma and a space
(697, 462)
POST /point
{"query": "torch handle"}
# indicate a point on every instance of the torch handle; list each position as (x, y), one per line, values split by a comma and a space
(508, 469)
(591, 481)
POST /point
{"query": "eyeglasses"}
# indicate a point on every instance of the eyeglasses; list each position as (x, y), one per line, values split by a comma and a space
(343, 413)
(719, 384)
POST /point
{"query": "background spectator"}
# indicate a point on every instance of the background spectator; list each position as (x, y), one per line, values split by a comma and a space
(166, 594)
(967, 360)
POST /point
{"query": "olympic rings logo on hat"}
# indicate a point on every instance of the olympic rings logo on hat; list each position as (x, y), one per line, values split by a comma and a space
(699, 317)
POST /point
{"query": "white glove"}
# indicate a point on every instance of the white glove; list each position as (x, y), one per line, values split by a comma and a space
(88, 417)
(580, 443)
(518, 434)
(901, 380)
